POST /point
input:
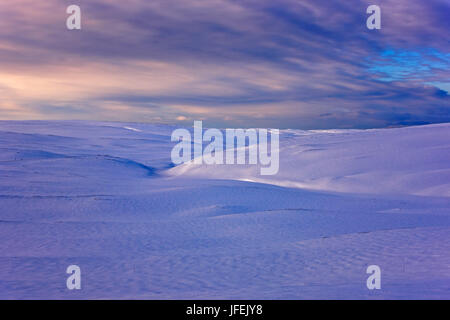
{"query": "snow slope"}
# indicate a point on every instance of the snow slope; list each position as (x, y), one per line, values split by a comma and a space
(104, 196)
(411, 160)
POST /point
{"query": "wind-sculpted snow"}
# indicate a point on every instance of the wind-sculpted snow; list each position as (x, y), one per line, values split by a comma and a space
(103, 196)
(413, 160)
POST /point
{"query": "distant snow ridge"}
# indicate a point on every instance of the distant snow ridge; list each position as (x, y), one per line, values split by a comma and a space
(132, 129)
(411, 160)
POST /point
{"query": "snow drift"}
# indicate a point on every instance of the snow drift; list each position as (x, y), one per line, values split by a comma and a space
(105, 197)
(412, 160)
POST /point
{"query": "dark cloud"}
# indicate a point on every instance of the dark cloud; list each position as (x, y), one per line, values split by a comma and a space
(289, 63)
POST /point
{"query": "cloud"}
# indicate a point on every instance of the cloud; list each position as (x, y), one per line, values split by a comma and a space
(307, 64)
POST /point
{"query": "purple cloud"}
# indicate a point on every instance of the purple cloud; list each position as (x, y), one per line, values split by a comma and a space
(305, 64)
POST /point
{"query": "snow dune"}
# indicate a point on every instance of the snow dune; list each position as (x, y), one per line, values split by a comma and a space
(106, 198)
(413, 160)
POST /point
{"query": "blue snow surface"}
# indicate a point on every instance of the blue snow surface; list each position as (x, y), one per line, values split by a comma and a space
(105, 196)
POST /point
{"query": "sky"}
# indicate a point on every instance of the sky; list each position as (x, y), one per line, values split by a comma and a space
(231, 63)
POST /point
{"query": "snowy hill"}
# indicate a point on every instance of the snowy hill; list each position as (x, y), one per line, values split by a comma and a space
(412, 160)
(106, 197)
